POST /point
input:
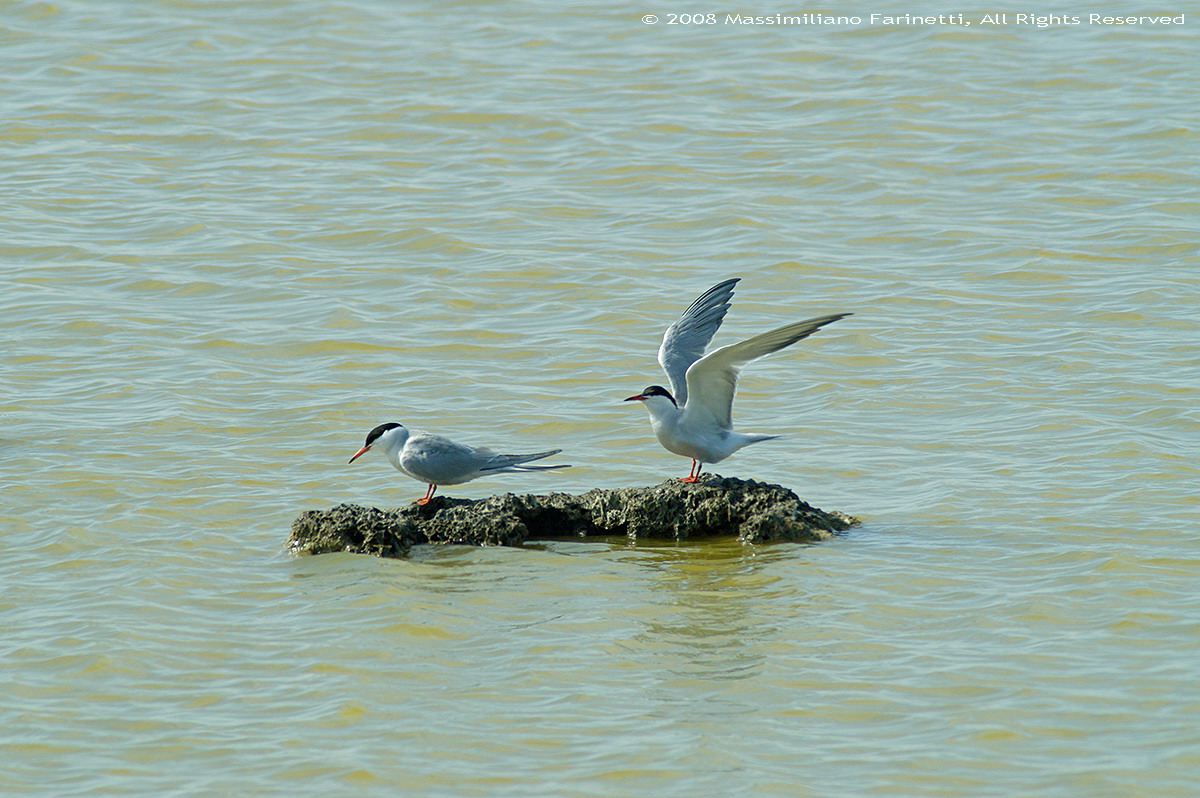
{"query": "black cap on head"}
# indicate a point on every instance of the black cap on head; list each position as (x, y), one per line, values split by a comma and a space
(374, 434)
(655, 390)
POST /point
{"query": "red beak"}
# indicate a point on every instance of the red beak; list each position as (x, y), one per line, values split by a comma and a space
(359, 453)
(638, 398)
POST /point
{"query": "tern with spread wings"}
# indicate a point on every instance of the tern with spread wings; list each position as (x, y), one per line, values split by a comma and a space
(696, 421)
(436, 461)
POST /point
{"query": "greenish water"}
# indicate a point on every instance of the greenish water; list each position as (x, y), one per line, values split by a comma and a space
(237, 236)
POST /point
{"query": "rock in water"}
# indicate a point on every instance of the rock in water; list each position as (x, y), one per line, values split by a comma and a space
(754, 512)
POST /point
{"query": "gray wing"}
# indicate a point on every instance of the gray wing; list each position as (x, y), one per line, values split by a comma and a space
(713, 378)
(505, 462)
(684, 341)
(433, 458)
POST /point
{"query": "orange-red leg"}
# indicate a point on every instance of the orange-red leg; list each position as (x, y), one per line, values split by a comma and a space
(694, 474)
(428, 495)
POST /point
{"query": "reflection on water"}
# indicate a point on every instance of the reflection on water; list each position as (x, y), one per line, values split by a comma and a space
(707, 628)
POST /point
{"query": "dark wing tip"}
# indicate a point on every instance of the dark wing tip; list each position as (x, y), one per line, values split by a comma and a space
(725, 286)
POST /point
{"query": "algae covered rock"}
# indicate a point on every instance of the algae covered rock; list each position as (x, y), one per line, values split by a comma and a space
(753, 512)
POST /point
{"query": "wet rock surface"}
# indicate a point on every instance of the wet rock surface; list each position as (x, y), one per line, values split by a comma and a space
(753, 512)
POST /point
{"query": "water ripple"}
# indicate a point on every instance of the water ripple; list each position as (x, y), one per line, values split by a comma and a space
(241, 235)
